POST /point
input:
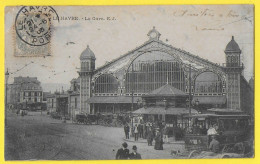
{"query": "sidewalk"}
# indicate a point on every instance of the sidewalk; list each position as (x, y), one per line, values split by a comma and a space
(141, 140)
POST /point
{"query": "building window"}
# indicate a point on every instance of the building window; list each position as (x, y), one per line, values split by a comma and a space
(76, 102)
(153, 70)
(105, 83)
(208, 82)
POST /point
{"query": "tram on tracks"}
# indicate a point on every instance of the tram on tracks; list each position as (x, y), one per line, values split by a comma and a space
(233, 131)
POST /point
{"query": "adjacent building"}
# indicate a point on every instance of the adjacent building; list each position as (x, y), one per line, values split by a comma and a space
(25, 90)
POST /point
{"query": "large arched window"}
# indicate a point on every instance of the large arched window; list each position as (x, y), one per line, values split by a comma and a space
(208, 82)
(106, 84)
(153, 70)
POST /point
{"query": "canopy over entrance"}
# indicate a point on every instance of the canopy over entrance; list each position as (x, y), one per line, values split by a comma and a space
(163, 111)
(112, 100)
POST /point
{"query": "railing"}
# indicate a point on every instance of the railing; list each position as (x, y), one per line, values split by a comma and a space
(233, 65)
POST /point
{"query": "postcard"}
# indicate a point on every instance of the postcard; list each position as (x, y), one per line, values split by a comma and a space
(129, 82)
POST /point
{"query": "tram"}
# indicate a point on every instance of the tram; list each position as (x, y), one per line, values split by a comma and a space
(233, 131)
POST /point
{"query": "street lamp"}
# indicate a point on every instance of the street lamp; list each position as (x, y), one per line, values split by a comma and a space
(6, 86)
(197, 103)
(188, 105)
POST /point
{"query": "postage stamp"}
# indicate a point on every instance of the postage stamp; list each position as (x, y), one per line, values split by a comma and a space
(33, 29)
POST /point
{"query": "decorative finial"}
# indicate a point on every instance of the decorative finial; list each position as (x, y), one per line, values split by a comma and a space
(87, 46)
(232, 37)
(153, 27)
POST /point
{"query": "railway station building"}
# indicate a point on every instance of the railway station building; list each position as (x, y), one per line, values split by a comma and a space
(121, 85)
(118, 86)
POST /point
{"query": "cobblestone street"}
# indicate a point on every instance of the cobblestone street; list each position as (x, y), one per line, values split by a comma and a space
(39, 137)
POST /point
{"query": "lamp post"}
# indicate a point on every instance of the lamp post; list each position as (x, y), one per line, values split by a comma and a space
(197, 103)
(6, 86)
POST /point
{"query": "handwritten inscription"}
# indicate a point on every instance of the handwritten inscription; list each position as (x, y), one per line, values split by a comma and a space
(205, 13)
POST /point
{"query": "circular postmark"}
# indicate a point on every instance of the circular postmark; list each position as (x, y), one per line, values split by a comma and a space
(33, 24)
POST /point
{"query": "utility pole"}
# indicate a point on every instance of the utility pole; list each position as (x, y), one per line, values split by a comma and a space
(6, 86)
(190, 89)
(132, 86)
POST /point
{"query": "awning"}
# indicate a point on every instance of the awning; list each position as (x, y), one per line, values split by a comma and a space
(112, 99)
(161, 110)
(218, 100)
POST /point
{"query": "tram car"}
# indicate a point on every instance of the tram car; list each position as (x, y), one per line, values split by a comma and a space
(232, 131)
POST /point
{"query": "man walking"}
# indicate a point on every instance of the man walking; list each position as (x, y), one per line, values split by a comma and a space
(150, 136)
(140, 130)
(165, 135)
(126, 129)
(123, 153)
(134, 154)
(136, 132)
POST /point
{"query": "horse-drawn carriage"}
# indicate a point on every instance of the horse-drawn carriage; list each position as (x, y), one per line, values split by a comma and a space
(86, 119)
(233, 133)
(114, 120)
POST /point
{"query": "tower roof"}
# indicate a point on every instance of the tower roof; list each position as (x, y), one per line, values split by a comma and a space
(232, 46)
(167, 90)
(87, 54)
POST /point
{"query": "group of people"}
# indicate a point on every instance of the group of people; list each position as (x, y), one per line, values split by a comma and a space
(157, 132)
(124, 153)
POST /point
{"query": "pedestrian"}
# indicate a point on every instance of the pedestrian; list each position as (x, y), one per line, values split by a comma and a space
(123, 153)
(212, 131)
(165, 134)
(150, 136)
(136, 132)
(178, 133)
(140, 130)
(126, 129)
(144, 131)
(134, 154)
(214, 145)
(158, 141)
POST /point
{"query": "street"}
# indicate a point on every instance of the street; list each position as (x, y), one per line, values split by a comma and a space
(39, 137)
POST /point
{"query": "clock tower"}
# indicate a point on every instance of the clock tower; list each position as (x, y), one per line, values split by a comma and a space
(87, 67)
(154, 34)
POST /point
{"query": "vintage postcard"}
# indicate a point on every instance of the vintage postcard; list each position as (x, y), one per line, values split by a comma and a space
(129, 82)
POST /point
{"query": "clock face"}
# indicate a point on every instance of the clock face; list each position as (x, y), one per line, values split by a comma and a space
(153, 35)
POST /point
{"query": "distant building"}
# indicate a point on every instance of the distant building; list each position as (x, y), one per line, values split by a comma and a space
(66, 103)
(25, 90)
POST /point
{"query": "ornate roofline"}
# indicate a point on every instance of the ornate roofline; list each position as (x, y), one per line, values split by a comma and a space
(167, 45)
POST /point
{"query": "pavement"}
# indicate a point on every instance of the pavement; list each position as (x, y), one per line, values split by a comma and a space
(36, 136)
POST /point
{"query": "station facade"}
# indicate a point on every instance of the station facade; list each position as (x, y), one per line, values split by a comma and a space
(119, 85)
(153, 64)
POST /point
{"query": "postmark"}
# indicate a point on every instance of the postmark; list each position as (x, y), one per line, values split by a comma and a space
(33, 24)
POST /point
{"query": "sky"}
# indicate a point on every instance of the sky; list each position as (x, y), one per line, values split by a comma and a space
(202, 30)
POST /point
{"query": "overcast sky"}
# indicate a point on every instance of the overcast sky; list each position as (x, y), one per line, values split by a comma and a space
(201, 30)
